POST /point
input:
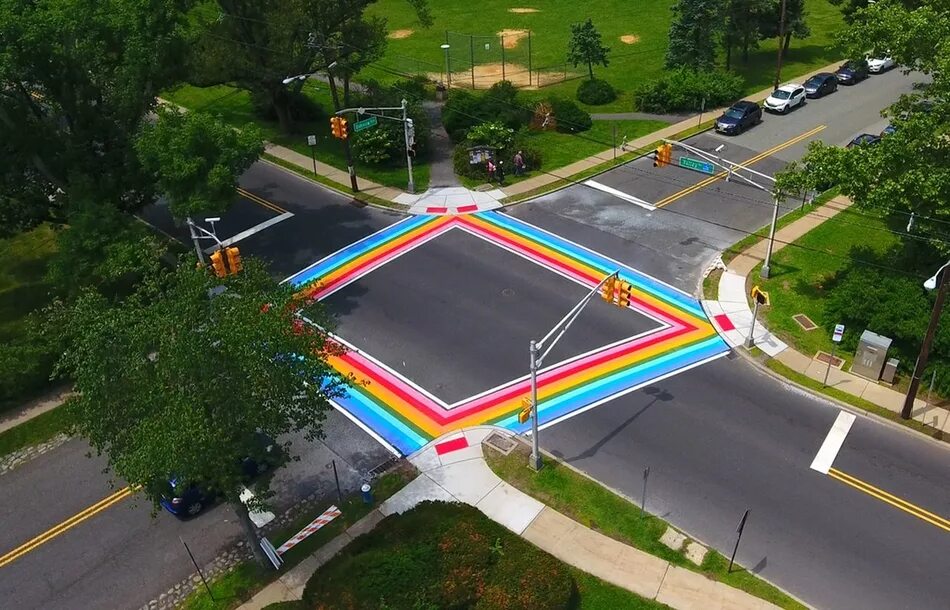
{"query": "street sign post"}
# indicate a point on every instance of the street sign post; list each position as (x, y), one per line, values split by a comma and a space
(312, 143)
(365, 124)
(697, 165)
(761, 298)
(836, 339)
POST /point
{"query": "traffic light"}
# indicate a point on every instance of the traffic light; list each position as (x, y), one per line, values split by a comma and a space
(217, 263)
(607, 290)
(344, 129)
(338, 127)
(623, 295)
(663, 155)
(234, 259)
(525, 413)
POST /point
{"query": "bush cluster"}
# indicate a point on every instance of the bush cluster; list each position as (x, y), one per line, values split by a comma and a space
(596, 92)
(25, 368)
(441, 555)
(569, 116)
(385, 143)
(500, 104)
(683, 89)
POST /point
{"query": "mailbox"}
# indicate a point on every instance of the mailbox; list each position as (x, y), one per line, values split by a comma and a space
(871, 355)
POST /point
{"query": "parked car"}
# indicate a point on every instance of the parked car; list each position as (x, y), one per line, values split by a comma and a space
(876, 65)
(864, 138)
(187, 499)
(739, 117)
(821, 84)
(891, 128)
(785, 98)
(852, 72)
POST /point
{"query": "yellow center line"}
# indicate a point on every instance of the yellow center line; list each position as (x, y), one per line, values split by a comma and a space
(261, 201)
(744, 165)
(65, 526)
(883, 496)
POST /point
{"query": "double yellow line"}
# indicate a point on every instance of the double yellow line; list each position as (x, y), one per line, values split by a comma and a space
(744, 165)
(65, 526)
(261, 201)
(891, 499)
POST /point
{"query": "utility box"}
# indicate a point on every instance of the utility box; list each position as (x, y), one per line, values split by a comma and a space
(890, 369)
(871, 355)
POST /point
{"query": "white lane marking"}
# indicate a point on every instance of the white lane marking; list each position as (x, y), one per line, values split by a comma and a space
(255, 229)
(829, 449)
(620, 194)
(260, 519)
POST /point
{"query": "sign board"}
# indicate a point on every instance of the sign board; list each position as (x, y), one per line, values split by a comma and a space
(761, 297)
(365, 124)
(839, 332)
(311, 140)
(697, 165)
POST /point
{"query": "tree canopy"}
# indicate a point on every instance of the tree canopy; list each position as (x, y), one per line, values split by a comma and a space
(172, 381)
(693, 34)
(586, 46)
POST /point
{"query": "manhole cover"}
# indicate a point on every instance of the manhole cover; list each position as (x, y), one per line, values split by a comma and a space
(508, 292)
(500, 443)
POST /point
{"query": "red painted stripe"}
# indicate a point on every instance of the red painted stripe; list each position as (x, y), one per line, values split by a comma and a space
(453, 445)
(724, 322)
(468, 208)
(436, 210)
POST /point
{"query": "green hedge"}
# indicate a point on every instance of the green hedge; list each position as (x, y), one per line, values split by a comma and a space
(683, 89)
(596, 92)
(440, 555)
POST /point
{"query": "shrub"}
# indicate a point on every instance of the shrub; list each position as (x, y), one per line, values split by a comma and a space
(570, 118)
(491, 134)
(460, 113)
(25, 368)
(302, 108)
(377, 145)
(596, 92)
(683, 89)
(499, 104)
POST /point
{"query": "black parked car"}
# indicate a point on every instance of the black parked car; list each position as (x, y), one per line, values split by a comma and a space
(864, 138)
(821, 84)
(739, 117)
(852, 72)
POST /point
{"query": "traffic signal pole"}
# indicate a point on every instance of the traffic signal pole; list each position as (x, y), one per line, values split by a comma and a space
(346, 141)
(537, 358)
(408, 131)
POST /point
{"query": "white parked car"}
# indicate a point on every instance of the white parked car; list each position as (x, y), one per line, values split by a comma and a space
(785, 98)
(880, 64)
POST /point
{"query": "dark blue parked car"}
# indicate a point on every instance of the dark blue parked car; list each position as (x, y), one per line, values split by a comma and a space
(852, 72)
(739, 117)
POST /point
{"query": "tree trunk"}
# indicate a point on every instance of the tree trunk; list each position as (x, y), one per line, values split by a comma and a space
(250, 530)
(788, 41)
(590, 69)
(281, 102)
(346, 90)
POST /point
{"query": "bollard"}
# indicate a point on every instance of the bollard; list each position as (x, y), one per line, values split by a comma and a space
(367, 492)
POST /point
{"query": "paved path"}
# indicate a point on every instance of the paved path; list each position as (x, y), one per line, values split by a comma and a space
(34, 408)
(441, 171)
(453, 469)
(638, 116)
(732, 317)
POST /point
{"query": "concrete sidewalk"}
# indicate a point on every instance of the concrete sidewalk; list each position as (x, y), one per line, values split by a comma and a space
(732, 316)
(453, 469)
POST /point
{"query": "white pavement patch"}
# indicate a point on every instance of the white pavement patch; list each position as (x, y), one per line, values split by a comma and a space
(255, 229)
(420, 489)
(734, 304)
(260, 519)
(732, 288)
(832, 445)
(620, 194)
(510, 507)
(451, 198)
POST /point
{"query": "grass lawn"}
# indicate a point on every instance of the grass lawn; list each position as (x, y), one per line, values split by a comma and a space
(232, 589)
(800, 273)
(34, 431)
(597, 507)
(22, 278)
(630, 64)
(234, 107)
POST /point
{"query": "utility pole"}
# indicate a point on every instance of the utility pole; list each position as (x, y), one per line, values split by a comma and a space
(940, 283)
(781, 46)
(346, 141)
(766, 266)
(409, 132)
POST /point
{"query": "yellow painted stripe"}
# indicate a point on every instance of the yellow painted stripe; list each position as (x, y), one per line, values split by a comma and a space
(896, 502)
(261, 201)
(65, 526)
(744, 165)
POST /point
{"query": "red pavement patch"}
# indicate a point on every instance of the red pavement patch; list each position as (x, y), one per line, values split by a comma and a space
(436, 210)
(453, 445)
(723, 322)
(468, 208)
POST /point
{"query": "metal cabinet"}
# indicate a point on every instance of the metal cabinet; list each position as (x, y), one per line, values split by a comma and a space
(871, 355)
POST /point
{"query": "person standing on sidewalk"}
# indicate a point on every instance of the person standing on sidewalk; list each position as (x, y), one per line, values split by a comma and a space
(490, 168)
(500, 172)
(519, 163)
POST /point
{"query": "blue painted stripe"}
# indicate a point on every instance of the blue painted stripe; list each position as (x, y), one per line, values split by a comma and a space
(381, 422)
(358, 248)
(594, 260)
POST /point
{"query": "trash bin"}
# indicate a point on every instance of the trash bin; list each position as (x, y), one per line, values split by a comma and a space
(890, 369)
(367, 492)
(871, 354)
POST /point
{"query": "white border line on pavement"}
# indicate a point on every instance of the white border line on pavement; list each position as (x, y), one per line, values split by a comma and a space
(619, 194)
(832, 445)
(256, 228)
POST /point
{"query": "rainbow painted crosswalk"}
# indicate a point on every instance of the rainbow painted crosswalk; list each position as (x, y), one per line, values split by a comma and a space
(405, 417)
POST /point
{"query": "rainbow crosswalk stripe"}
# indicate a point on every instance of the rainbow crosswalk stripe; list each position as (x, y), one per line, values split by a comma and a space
(406, 417)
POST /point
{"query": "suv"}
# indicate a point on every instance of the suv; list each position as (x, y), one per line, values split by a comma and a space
(852, 72)
(739, 117)
(821, 84)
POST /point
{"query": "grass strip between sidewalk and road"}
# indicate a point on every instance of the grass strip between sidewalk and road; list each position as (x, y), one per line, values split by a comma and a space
(239, 584)
(34, 431)
(593, 505)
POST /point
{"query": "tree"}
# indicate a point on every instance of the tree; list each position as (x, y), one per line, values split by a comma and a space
(795, 24)
(585, 47)
(909, 170)
(693, 34)
(196, 159)
(174, 382)
(76, 79)
(742, 27)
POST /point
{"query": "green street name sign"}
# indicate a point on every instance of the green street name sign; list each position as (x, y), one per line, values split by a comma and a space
(697, 165)
(365, 124)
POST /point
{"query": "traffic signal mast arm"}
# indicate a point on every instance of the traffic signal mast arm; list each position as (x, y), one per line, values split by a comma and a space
(730, 167)
(565, 323)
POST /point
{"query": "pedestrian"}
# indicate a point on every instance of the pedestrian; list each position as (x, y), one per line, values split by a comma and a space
(500, 172)
(490, 168)
(519, 163)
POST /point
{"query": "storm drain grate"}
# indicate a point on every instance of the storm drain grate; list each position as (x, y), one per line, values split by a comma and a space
(500, 443)
(378, 470)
